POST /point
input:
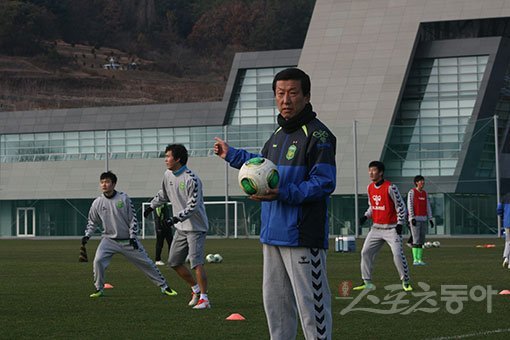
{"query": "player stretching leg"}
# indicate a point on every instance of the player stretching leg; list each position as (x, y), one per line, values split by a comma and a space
(418, 206)
(504, 212)
(387, 210)
(115, 212)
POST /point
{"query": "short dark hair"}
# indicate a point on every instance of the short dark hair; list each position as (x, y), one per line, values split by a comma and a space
(178, 152)
(418, 178)
(294, 74)
(377, 164)
(109, 175)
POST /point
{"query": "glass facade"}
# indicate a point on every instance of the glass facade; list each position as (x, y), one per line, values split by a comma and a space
(253, 115)
(454, 214)
(486, 163)
(252, 120)
(90, 145)
(436, 108)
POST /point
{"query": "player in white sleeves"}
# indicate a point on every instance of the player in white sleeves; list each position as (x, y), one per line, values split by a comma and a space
(183, 189)
(504, 212)
(114, 210)
(387, 210)
(419, 211)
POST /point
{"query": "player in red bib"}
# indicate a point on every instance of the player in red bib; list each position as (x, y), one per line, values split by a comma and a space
(418, 206)
(388, 212)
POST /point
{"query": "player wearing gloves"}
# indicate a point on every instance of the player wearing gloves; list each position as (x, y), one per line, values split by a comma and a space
(163, 231)
(418, 206)
(504, 212)
(115, 212)
(183, 189)
(387, 210)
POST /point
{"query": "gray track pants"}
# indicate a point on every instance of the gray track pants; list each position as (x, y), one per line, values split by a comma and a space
(373, 243)
(108, 247)
(295, 281)
(419, 231)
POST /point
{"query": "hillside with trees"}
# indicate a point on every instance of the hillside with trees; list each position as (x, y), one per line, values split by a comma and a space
(75, 53)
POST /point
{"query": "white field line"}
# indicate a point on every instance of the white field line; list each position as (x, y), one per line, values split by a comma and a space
(463, 336)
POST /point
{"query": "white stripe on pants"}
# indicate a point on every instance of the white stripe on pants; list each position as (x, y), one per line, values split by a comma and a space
(506, 251)
(108, 247)
(295, 282)
(373, 243)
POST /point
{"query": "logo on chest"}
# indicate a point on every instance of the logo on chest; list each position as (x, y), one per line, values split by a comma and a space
(377, 200)
(291, 152)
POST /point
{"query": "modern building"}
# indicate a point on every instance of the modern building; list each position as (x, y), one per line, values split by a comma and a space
(420, 82)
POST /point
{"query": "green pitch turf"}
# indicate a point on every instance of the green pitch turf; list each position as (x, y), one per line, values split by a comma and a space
(44, 294)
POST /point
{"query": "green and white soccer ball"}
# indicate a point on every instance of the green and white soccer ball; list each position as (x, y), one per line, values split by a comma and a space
(218, 258)
(209, 258)
(258, 175)
(214, 258)
(436, 244)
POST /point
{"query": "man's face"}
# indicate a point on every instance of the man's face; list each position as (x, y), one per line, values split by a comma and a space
(420, 184)
(290, 99)
(107, 186)
(172, 164)
(374, 174)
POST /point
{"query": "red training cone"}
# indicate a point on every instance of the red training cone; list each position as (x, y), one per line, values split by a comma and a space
(108, 286)
(505, 292)
(236, 317)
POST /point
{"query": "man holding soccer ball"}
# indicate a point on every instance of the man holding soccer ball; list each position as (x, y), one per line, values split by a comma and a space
(294, 230)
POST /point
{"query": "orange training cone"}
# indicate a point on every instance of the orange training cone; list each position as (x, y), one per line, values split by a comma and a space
(236, 317)
(108, 286)
(505, 292)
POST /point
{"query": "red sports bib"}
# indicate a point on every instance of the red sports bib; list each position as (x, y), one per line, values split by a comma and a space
(420, 202)
(383, 208)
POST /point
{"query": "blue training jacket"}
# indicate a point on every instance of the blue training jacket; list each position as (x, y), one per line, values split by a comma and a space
(504, 210)
(306, 162)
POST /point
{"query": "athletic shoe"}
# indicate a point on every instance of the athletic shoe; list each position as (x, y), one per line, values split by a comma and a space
(369, 286)
(194, 299)
(160, 263)
(202, 304)
(410, 245)
(505, 263)
(407, 287)
(168, 291)
(97, 294)
(419, 263)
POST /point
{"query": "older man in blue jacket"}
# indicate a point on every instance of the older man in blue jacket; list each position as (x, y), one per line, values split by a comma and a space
(295, 229)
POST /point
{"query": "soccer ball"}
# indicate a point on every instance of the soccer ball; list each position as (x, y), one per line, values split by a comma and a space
(218, 258)
(436, 244)
(427, 244)
(209, 258)
(257, 175)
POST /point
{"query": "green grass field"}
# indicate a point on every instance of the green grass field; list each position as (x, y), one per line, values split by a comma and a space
(44, 294)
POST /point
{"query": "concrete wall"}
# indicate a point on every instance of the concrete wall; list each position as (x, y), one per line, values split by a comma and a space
(80, 179)
(357, 53)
